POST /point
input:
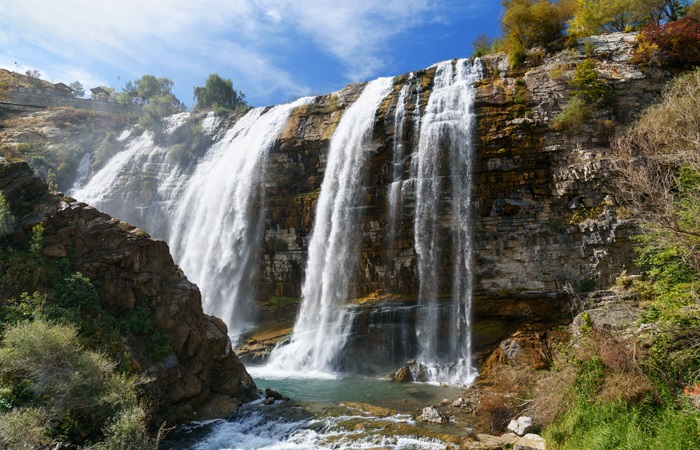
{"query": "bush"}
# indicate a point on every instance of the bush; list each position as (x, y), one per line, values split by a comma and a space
(531, 23)
(674, 44)
(78, 387)
(588, 90)
(128, 432)
(573, 115)
(7, 220)
(24, 428)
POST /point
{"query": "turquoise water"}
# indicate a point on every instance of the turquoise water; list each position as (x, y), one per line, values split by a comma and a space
(404, 397)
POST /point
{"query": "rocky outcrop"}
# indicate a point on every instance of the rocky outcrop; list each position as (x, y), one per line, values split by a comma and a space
(201, 377)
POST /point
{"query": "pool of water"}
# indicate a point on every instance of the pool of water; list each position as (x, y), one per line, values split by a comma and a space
(404, 397)
(329, 412)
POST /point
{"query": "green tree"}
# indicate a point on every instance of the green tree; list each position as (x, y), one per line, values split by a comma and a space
(218, 93)
(149, 87)
(77, 89)
(34, 80)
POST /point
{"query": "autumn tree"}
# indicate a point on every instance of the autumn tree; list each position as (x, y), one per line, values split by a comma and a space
(530, 23)
(658, 166)
(593, 17)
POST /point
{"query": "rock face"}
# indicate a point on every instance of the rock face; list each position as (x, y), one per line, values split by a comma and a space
(201, 378)
(544, 216)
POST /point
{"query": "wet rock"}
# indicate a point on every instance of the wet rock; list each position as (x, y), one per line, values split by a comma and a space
(432, 415)
(273, 393)
(520, 426)
(412, 371)
(445, 402)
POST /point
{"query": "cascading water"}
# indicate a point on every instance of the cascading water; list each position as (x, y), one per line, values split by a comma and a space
(141, 166)
(83, 172)
(321, 327)
(216, 227)
(446, 134)
(397, 163)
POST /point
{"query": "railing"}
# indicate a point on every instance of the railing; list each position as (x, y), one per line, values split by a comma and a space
(45, 99)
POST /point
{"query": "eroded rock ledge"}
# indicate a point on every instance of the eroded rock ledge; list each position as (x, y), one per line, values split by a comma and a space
(201, 378)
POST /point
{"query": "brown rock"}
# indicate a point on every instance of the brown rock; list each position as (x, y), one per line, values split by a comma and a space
(202, 377)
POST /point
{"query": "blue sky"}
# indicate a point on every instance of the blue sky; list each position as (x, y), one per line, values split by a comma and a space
(273, 50)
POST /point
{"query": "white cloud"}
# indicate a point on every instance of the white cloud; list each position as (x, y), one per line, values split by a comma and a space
(184, 35)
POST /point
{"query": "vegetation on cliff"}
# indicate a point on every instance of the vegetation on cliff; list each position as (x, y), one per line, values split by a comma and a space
(100, 333)
(527, 24)
(635, 384)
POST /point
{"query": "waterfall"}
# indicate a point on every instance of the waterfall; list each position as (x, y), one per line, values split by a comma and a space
(217, 224)
(397, 163)
(443, 165)
(83, 172)
(139, 184)
(321, 327)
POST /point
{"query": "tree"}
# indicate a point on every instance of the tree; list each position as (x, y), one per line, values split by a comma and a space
(658, 166)
(148, 87)
(482, 45)
(593, 17)
(34, 80)
(219, 93)
(77, 89)
(530, 23)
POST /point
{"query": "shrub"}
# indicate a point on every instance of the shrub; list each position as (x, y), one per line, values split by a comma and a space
(7, 220)
(674, 44)
(586, 82)
(530, 23)
(127, 431)
(573, 115)
(24, 428)
(78, 387)
(588, 89)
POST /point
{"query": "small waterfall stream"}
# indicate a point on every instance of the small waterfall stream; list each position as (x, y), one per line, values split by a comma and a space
(321, 327)
(446, 138)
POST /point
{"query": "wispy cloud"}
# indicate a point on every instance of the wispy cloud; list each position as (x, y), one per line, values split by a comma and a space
(248, 38)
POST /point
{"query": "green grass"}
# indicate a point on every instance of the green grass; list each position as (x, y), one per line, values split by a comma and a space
(618, 425)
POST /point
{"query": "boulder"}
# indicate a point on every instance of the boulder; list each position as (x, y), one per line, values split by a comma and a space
(432, 415)
(273, 393)
(530, 442)
(520, 426)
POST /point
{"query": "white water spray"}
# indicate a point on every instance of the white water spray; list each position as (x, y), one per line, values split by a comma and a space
(446, 136)
(321, 328)
(216, 227)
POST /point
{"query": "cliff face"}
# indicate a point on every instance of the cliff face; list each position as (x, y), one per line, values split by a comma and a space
(543, 205)
(544, 214)
(201, 377)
